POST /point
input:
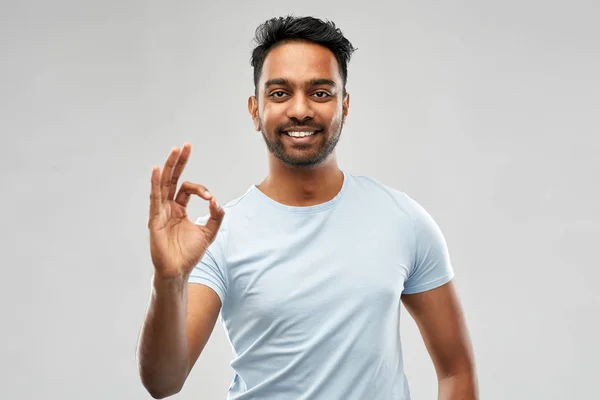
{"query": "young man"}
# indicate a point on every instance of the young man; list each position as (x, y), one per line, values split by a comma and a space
(307, 268)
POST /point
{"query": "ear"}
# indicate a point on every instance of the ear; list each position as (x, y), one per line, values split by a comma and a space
(253, 110)
(345, 105)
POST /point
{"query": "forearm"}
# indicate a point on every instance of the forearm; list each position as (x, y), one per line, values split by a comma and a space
(459, 386)
(163, 356)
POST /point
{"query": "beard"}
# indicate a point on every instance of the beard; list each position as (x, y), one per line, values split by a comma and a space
(303, 157)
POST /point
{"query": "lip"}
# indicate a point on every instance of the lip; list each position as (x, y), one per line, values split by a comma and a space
(309, 129)
(302, 130)
(303, 139)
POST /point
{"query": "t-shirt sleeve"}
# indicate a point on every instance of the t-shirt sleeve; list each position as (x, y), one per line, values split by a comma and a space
(209, 270)
(431, 266)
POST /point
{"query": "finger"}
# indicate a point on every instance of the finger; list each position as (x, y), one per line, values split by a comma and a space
(216, 216)
(181, 162)
(155, 196)
(188, 189)
(167, 173)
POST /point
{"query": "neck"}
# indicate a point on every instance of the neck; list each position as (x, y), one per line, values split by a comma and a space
(302, 187)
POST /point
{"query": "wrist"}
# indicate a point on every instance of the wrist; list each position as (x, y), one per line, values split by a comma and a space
(162, 283)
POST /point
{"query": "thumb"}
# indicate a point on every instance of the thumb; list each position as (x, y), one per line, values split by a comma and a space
(216, 217)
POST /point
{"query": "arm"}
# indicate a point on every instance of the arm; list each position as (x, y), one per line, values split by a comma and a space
(440, 320)
(178, 324)
(180, 316)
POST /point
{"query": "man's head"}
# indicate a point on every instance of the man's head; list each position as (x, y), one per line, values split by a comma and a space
(300, 75)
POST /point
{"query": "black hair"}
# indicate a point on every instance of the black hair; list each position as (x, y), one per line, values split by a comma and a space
(278, 30)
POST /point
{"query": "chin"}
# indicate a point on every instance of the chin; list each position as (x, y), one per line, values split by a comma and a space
(303, 162)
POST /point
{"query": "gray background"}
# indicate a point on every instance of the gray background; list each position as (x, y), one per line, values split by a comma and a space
(485, 112)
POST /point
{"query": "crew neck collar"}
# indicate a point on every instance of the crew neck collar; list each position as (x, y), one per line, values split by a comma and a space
(305, 209)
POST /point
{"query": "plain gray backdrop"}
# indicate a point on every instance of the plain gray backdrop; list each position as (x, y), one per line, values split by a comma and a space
(485, 112)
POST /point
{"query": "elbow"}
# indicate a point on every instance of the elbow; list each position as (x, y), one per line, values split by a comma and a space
(162, 378)
(162, 392)
(158, 387)
(465, 370)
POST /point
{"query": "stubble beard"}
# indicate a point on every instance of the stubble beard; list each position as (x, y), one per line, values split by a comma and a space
(277, 148)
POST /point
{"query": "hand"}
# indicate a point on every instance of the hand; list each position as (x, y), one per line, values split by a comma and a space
(176, 243)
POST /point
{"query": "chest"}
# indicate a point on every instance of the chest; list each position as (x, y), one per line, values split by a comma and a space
(302, 274)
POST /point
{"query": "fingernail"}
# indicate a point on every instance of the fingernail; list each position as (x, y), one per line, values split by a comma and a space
(208, 193)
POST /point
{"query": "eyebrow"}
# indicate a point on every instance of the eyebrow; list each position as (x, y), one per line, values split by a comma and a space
(312, 82)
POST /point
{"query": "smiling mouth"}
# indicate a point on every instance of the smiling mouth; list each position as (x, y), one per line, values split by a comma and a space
(300, 134)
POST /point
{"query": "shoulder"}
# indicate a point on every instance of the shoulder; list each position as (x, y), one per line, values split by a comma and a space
(232, 208)
(236, 210)
(380, 192)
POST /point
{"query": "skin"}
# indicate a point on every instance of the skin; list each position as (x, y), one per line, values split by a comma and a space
(180, 316)
(300, 85)
(440, 319)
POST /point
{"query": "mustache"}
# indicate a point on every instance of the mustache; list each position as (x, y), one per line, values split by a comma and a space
(290, 125)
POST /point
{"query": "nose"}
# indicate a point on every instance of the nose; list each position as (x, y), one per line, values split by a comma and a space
(299, 108)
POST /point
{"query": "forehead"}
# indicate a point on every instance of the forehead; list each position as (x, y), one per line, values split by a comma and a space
(300, 62)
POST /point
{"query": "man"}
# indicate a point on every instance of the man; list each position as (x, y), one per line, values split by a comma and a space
(308, 268)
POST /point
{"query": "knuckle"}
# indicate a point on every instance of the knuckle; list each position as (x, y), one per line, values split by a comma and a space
(190, 185)
(187, 185)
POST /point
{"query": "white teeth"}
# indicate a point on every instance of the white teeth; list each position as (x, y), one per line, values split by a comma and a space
(300, 134)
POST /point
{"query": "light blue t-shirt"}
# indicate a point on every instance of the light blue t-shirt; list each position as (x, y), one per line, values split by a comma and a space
(311, 295)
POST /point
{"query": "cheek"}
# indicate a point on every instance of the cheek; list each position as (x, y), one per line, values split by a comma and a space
(335, 119)
(332, 112)
(272, 117)
(268, 117)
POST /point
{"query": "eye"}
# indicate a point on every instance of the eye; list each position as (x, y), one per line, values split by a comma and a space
(322, 94)
(278, 94)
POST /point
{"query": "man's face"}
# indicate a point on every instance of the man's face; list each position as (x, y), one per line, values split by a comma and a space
(300, 93)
